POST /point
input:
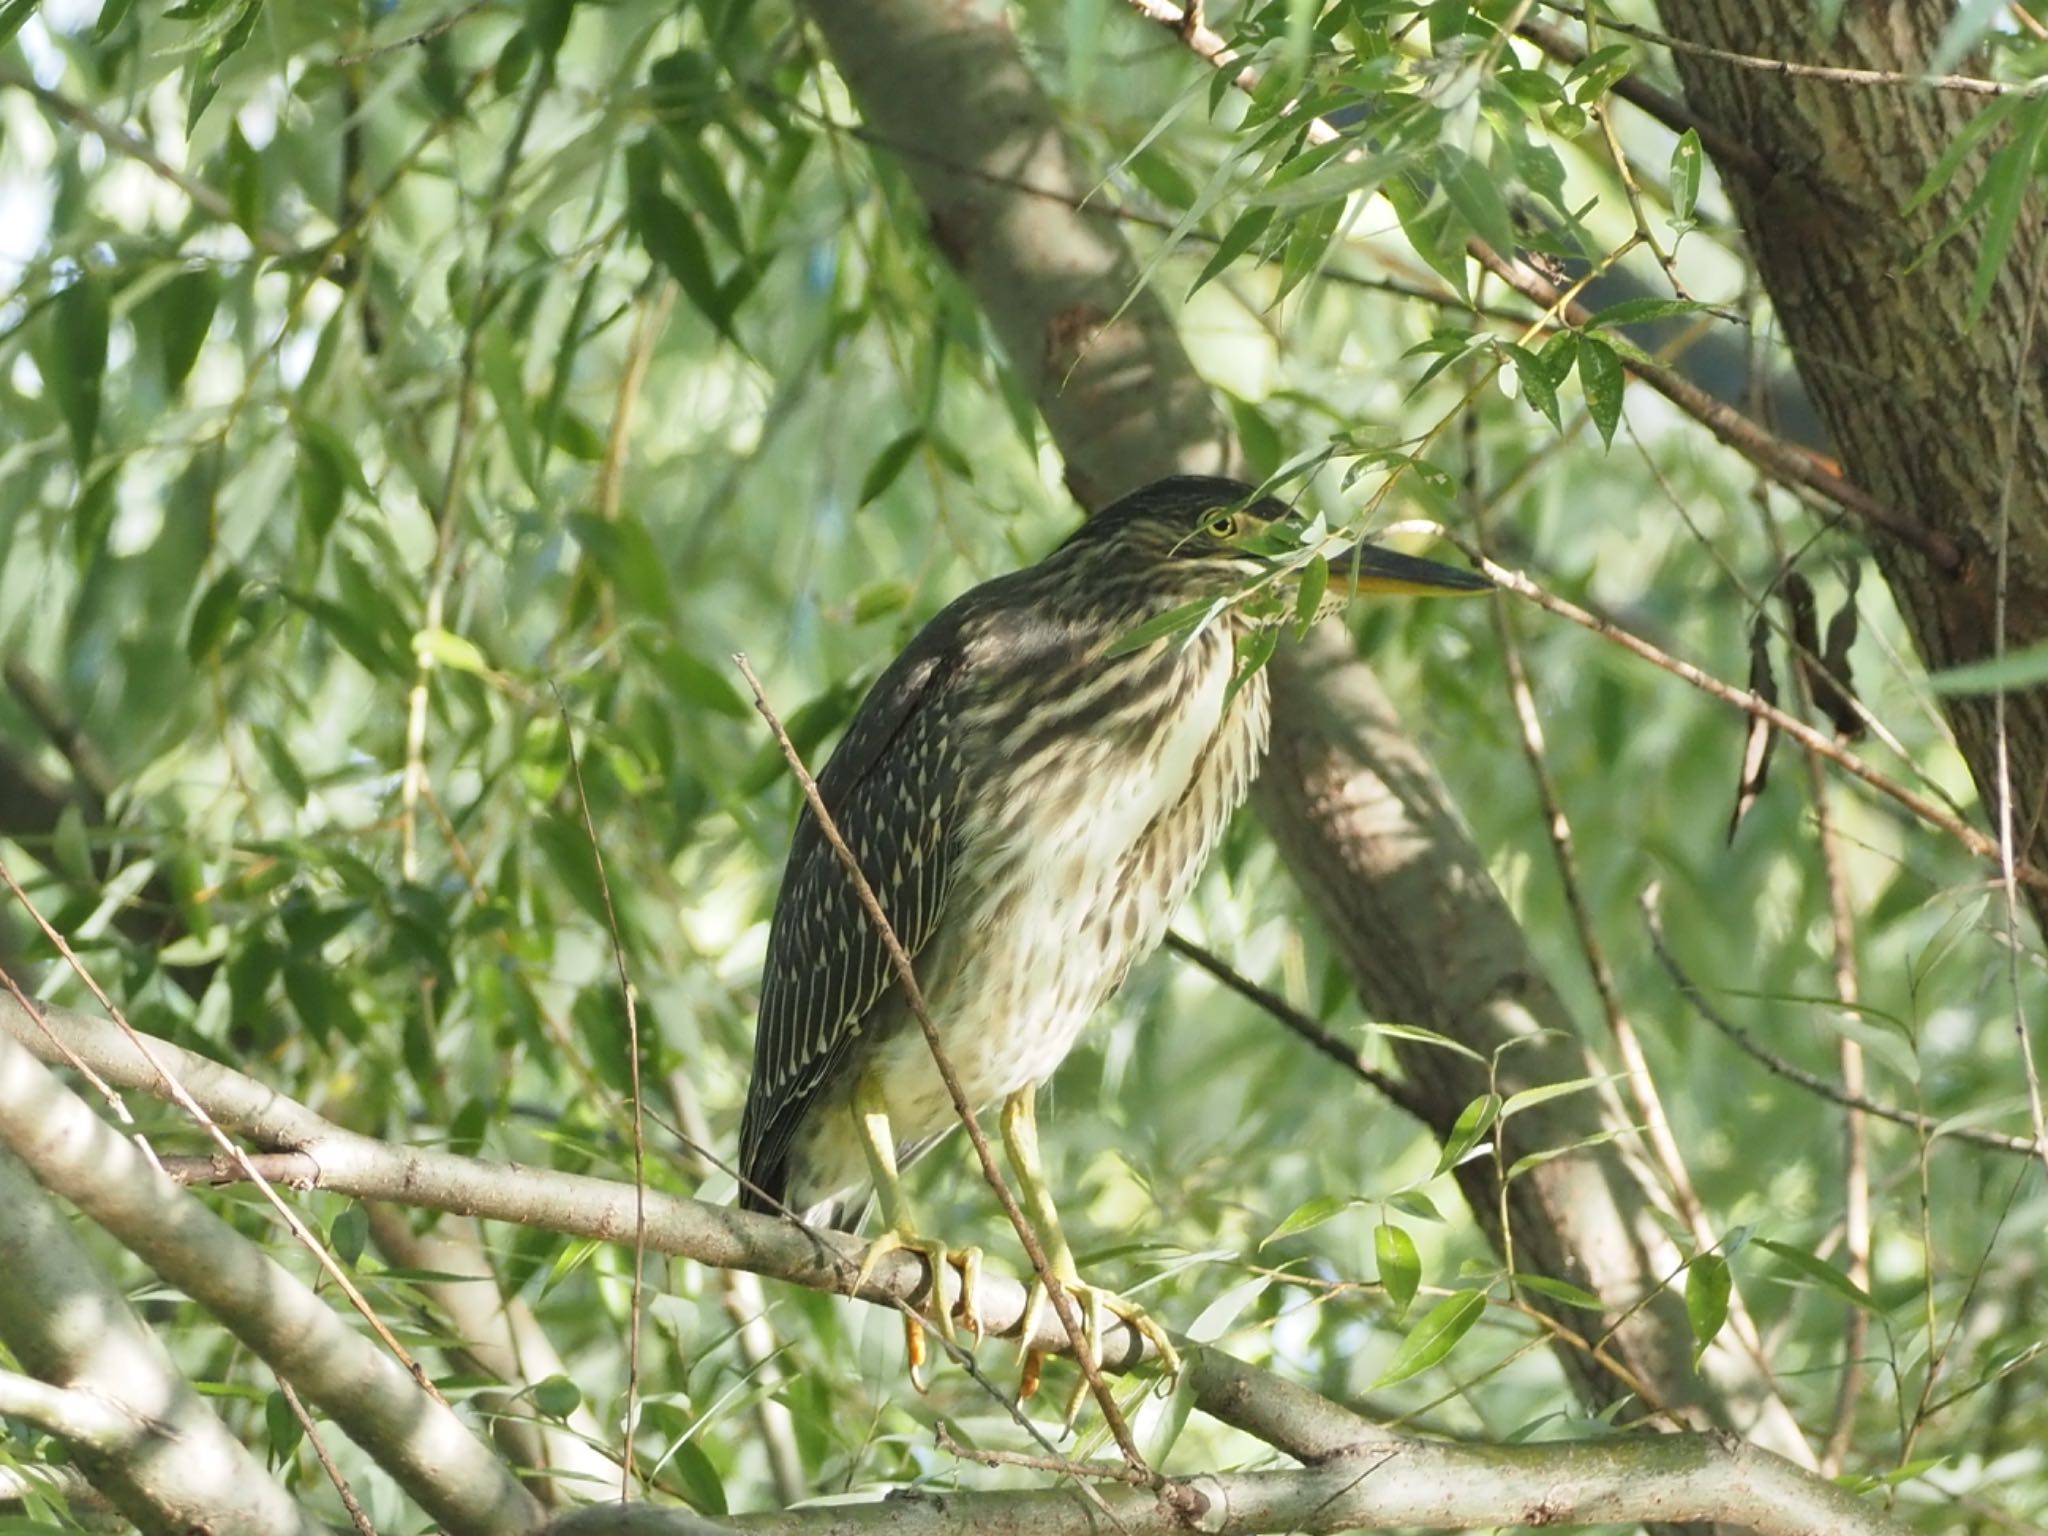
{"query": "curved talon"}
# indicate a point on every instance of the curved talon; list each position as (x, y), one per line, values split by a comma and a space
(1094, 1301)
(938, 1260)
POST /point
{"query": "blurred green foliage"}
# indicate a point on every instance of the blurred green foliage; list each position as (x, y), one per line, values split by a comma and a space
(516, 364)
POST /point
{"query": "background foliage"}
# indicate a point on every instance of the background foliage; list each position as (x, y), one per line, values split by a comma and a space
(463, 377)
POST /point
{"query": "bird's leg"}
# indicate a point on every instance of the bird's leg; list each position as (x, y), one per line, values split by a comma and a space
(1020, 1140)
(878, 1141)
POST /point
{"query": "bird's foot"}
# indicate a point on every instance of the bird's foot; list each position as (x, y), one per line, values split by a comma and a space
(939, 1261)
(1095, 1302)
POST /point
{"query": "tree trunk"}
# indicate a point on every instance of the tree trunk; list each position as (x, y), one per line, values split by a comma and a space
(1944, 420)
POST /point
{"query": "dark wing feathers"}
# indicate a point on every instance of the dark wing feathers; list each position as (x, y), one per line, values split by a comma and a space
(892, 787)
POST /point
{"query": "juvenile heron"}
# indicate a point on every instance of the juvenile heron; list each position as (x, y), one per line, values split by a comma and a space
(1031, 789)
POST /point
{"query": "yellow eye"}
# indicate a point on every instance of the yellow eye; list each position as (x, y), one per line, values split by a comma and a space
(1222, 525)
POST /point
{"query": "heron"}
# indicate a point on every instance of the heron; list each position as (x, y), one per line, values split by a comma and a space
(1031, 789)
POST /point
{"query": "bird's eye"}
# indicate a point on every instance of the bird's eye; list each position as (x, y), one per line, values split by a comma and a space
(1222, 525)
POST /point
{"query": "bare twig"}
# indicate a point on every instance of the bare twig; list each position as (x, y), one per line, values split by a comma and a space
(1969, 85)
(1934, 815)
(2007, 869)
(626, 996)
(1812, 1082)
(1390, 1088)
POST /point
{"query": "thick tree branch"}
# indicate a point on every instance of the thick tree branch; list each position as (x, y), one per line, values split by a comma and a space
(413, 1435)
(1366, 1476)
(1389, 1485)
(159, 1453)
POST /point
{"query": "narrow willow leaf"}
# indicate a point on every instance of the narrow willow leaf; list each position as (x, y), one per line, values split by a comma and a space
(76, 358)
(1686, 162)
(1184, 619)
(888, 464)
(2010, 175)
(1601, 376)
(1966, 29)
(2024, 668)
(1819, 1269)
(1543, 1093)
(1400, 1265)
(1470, 187)
(1561, 1290)
(1707, 1287)
(1434, 1337)
(1309, 1214)
(1474, 1122)
(1423, 1036)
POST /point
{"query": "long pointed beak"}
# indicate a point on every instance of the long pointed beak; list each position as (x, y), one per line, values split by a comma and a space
(1375, 568)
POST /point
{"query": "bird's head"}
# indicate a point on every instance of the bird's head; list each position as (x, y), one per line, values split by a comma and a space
(1200, 539)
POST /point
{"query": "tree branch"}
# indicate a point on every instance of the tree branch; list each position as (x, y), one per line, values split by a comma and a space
(1382, 1485)
(410, 1432)
(163, 1457)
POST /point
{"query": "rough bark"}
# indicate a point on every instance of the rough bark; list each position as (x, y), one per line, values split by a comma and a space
(1368, 826)
(1921, 403)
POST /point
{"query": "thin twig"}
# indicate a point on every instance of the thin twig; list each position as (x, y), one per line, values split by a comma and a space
(2007, 876)
(1741, 698)
(1812, 1082)
(913, 995)
(611, 918)
(1390, 1088)
(1968, 85)
(1729, 152)
(357, 1517)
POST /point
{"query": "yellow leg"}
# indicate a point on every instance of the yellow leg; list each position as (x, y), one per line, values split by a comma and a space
(899, 1232)
(1020, 1141)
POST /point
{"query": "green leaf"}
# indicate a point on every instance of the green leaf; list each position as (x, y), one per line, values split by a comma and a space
(671, 239)
(1430, 1340)
(696, 681)
(1531, 379)
(1707, 1287)
(1399, 1264)
(548, 23)
(888, 464)
(1823, 1272)
(1413, 1202)
(1470, 187)
(879, 599)
(1310, 1213)
(1635, 311)
(1236, 240)
(75, 358)
(1687, 159)
(2010, 175)
(1561, 1290)
(1308, 596)
(2024, 668)
(349, 1233)
(1601, 377)
(445, 648)
(184, 309)
(1186, 618)
(1473, 1122)
(282, 1430)
(557, 1397)
(1543, 1093)
(1423, 1036)
(1961, 147)
(214, 615)
(1598, 72)
(1966, 29)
